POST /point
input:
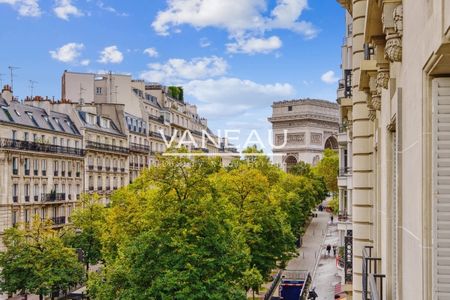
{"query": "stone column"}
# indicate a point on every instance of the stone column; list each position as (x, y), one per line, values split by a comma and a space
(362, 208)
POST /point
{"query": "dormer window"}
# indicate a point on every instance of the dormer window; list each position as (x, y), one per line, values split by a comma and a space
(98, 90)
(17, 113)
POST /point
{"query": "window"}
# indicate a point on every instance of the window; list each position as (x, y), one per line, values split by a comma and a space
(36, 167)
(289, 108)
(59, 124)
(15, 163)
(99, 183)
(44, 167)
(15, 192)
(33, 120)
(48, 122)
(98, 90)
(25, 136)
(55, 168)
(27, 216)
(8, 115)
(14, 218)
(14, 135)
(44, 188)
(55, 141)
(61, 142)
(35, 137)
(26, 190)
(77, 144)
(26, 166)
(36, 192)
(63, 168)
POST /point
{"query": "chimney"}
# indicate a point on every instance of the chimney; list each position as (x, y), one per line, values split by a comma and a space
(7, 93)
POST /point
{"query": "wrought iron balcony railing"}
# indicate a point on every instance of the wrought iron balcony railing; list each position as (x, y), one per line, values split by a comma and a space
(344, 171)
(139, 148)
(39, 147)
(372, 282)
(53, 197)
(343, 216)
(106, 147)
(59, 220)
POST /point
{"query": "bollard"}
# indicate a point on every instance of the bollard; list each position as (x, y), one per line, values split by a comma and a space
(303, 255)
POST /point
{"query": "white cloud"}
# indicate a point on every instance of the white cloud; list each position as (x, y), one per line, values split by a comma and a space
(255, 45)
(69, 53)
(151, 52)
(111, 55)
(249, 18)
(85, 62)
(110, 9)
(25, 8)
(176, 69)
(204, 42)
(329, 77)
(64, 9)
(227, 96)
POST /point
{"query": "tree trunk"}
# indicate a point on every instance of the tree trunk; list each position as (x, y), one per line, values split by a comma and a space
(87, 270)
(41, 297)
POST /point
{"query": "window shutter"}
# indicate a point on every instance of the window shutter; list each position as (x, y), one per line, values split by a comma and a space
(441, 188)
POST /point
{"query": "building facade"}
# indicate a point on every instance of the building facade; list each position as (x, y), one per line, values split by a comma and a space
(99, 137)
(302, 129)
(395, 111)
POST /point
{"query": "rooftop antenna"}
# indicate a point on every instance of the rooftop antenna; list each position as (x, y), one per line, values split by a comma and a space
(32, 83)
(11, 72)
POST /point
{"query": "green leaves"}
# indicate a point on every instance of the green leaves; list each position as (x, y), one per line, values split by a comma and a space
(36, 261)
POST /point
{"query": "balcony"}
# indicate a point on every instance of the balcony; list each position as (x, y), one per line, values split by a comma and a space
(107, 188)
(115, 169)
(35, 172)
(77, 174)
(15, 171)
(27, 198)
(122, 170)
(108, 169)
(39, 147)
(59, 220)
(106, 147)
(55, 173)
(52, 197)
(63, 173)
(90, 168)
(372, 285)
(15, 199)
(69, 196)
(139, 148)
(69, 174)
(345, 171)
(99, 168)
(91, 188)
(44, 172)
(27, 172)
(36, 198)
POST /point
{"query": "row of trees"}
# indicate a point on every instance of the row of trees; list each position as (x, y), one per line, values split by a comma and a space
(187, 229)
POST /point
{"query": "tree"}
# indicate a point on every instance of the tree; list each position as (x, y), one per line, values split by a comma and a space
(186, 245)
(36, 261)
(328, 169)
(267, 232)
(252, 279)
(86, 230)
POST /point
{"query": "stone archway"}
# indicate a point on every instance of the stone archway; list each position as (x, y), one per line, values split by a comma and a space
(331, 143)
(290, 161)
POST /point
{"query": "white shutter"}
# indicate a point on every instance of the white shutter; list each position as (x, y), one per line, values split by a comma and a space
(441, 188)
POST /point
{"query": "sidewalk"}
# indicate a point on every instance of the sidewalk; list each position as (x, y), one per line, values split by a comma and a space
(310, 250)
(327, 274)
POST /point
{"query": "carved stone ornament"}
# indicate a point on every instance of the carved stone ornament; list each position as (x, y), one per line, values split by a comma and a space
(393, 48)
(376, 102)
(372, 114)
(382, 81)
(398, 19)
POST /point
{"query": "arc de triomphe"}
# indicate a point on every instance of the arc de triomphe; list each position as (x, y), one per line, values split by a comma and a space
(311, 126)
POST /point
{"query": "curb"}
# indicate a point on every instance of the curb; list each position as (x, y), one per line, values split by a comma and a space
(318, 256)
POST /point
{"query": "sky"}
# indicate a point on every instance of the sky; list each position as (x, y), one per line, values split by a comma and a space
(233, 57)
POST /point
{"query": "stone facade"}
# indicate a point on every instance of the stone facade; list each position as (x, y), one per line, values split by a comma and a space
(302, 129)
(396, 142)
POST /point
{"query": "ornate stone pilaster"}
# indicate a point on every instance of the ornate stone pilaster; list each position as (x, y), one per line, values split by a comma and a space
(398, 19)
(393, 50)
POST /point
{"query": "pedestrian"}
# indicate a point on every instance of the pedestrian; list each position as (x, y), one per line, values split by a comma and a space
(328, 249)
(334, 250)
(331, 218)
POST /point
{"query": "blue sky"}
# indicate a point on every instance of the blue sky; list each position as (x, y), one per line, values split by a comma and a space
(234, 57)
